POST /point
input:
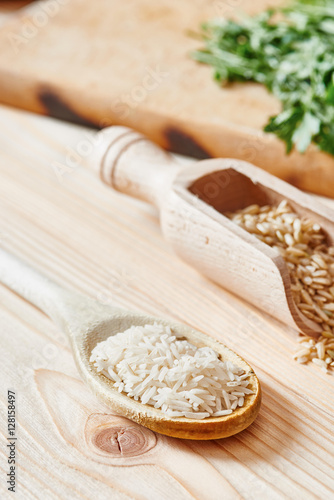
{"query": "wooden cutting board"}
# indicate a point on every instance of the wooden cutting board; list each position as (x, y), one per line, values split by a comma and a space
(110, 62)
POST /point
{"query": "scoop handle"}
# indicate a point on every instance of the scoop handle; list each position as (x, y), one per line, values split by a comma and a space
(129, 162)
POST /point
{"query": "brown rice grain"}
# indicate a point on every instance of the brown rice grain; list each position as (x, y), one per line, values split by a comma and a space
(310, 262)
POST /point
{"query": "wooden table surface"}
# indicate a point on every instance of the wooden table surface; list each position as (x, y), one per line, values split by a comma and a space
(59, 217)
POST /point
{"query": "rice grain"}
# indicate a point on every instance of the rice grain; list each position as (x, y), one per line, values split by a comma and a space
(310, 260)
(151, 365)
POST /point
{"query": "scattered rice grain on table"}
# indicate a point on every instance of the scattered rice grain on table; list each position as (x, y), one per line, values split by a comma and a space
(302, 243)
(150, 365)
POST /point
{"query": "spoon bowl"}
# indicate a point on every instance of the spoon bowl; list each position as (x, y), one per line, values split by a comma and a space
(148, 416)
(88, 322)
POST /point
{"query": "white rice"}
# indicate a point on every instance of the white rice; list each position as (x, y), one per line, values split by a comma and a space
(149, 364)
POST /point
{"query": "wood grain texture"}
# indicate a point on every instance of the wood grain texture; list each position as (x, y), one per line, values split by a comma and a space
(108, 246)
(109, 62)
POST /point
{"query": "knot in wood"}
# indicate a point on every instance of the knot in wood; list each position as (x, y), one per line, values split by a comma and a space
(123, 440)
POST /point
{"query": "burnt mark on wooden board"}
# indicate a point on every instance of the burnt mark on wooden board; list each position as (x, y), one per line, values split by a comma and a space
(293, 179)
(56, 107)
(182, 143)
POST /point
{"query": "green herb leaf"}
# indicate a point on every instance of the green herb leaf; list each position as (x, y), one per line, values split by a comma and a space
(292, 57)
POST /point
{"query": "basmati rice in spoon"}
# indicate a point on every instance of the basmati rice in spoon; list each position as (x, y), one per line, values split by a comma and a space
(149, 364)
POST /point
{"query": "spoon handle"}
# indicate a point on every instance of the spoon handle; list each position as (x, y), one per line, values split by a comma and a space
(36, 288)
(132, 164)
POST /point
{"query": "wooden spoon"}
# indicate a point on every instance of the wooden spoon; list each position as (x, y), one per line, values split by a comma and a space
(88, 322)
(192, 201)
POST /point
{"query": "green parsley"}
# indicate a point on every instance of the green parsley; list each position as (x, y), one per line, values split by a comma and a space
(291, 52)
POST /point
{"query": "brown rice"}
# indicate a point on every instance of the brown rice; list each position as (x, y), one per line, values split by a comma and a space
(303, 245)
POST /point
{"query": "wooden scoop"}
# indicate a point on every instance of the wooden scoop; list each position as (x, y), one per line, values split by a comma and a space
(88, 322)
(192, 201)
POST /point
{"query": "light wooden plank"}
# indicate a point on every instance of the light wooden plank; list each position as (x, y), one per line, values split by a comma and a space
(110, 247)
